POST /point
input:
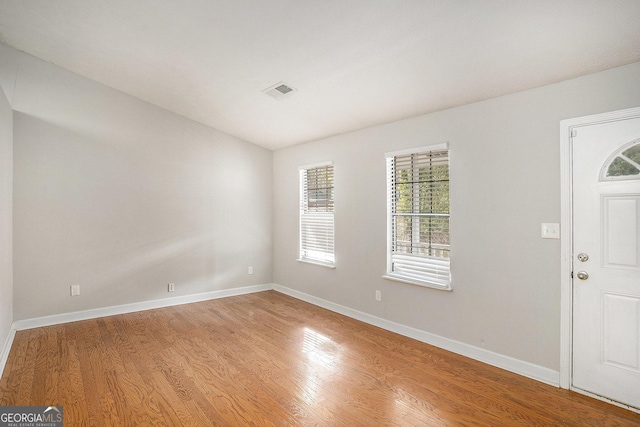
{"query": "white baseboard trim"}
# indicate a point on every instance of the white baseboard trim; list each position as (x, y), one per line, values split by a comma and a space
(6, 348)
(57, 319)
(520, 367)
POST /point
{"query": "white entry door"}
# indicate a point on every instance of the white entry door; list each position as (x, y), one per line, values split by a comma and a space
(606, 260)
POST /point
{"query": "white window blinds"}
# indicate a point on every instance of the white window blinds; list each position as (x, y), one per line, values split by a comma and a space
(316, 214)
(418, 217)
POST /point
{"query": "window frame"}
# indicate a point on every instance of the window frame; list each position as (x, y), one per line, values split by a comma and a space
(441, 264)
(327, 217)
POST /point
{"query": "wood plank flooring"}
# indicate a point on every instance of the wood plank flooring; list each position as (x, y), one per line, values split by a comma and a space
(267, 359)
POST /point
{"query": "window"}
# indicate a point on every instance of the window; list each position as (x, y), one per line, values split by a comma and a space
(316, 214)
(624, 164)
(418, 216)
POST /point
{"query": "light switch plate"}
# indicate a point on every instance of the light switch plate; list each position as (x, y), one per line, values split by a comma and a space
(550, 230)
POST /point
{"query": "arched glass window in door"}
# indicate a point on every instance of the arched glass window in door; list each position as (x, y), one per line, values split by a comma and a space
(623, 164)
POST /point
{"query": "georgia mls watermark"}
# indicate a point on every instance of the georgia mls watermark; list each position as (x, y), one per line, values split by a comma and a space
(31, 416)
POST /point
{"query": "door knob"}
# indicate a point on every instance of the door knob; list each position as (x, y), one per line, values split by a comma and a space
(582, 257)
(582, 275)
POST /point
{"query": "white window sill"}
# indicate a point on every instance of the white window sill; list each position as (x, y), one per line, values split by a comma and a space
(319, 263)
(423, 283)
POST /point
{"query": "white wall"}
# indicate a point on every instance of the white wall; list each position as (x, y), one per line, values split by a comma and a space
(505, 182)
(6, 220)
(122, 198)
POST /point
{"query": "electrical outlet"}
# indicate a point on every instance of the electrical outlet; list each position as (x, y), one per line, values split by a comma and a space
(75, 290)
(378, 295)
(171, 287)
(250, 270)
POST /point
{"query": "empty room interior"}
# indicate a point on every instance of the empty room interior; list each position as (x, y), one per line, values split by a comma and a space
(332, 213)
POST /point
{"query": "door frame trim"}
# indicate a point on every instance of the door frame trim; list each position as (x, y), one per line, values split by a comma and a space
(566, 230)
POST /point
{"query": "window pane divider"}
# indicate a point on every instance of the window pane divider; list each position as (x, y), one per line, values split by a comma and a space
(421, 214)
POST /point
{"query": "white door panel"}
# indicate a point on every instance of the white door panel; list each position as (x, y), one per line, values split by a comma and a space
(620, 327)
(620, 231)
(606, 300)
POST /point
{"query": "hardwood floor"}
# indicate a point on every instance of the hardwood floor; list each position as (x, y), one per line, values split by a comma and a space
(266, 359)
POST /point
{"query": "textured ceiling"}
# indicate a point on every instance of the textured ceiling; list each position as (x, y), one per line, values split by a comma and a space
(354, 63)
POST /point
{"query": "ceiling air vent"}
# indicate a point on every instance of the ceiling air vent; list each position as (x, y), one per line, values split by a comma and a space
(279, 91)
